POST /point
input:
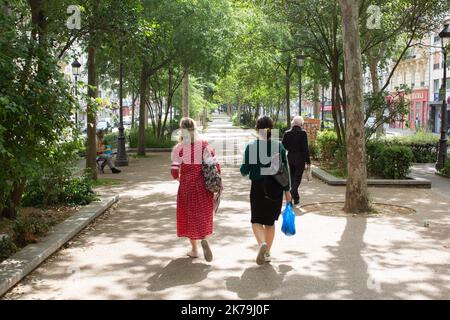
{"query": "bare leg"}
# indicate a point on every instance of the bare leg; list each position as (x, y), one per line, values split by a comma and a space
(194, 245)
(258, 231)
(194, 252)
(269, 232)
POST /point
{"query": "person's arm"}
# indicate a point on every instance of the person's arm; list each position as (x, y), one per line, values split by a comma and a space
(286, 165)
(176, 162)
(285, 140)
(245, 166)
(305, 147)
(213, 154)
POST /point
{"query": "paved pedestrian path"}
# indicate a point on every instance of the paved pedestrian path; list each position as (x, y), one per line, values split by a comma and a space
(133, 252)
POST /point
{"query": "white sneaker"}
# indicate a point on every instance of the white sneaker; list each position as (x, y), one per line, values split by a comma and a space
(260, 258)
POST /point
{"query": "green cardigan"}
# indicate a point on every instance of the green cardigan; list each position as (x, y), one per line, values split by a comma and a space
(253, 170)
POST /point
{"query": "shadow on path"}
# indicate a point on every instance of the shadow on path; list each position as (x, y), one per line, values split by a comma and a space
(257, 280)
(178, 272)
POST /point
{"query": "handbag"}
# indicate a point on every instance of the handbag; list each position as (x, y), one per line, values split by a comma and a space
(309, 174)
(281, 175)
(212, 177)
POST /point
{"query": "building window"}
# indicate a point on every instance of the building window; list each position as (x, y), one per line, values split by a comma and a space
(422, 84)
(436, 86)
(448, 84)
(436, 39)
(436, 66)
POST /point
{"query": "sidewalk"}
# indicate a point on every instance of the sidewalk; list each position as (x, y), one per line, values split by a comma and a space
(133, 253)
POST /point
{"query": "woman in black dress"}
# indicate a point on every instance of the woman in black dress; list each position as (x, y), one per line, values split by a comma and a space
(266, 195)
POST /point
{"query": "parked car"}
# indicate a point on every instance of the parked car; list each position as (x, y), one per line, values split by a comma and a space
(103, 125)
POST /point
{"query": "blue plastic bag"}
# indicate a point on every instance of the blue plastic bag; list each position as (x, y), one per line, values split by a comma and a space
(288, 226)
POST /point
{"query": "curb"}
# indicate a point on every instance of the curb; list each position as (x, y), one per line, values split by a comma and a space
(413, 182)
(29, 258)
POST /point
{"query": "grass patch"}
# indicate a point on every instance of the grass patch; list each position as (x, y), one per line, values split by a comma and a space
(335, 172)
(107, 182)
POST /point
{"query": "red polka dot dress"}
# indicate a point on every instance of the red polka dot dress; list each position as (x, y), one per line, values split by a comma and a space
(195, 204)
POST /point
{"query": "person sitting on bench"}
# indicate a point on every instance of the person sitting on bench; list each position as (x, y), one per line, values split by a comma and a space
(103, 153)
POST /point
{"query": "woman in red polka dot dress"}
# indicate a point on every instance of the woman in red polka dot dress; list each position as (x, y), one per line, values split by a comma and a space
(195, 204)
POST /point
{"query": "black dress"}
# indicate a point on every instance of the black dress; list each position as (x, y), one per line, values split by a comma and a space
(266, 195)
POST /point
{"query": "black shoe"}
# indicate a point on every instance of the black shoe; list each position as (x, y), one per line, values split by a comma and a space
(102, 168)
(115, 170)
(296, 202)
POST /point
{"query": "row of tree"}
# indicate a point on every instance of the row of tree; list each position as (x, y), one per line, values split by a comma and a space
(341, 39)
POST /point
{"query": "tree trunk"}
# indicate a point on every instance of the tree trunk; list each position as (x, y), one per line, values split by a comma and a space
(15, 198)
(316, 100)
(186, 92)
(373, 67)
(91, 114)
(142, 109)
(133, 98)
(288, 95)
(357, 196)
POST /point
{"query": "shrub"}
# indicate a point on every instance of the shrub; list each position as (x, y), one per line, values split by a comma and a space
(151, 141)
(374, 149)
(424, 146)
(7, 248)
(77, 191)
(28, 230)
(69, 190)
(56, 182)
(327, 144)
(394, 162)
(313, 151)
(340, 159)
(110, 139)
(281, 127)
(446, 170)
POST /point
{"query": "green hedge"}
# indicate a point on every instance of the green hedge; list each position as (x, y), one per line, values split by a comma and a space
(446, 170)
(389, 162)
(151, 141)
(424, 146)
(383, 160)
(327, 145)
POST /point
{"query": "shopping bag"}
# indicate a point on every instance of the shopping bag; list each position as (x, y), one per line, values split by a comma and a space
(309, 174)
(288, 226)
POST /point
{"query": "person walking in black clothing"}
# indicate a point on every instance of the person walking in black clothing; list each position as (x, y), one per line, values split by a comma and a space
(295, 141)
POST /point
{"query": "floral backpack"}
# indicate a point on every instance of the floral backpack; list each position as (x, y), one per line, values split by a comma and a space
(213, 180)
(211, 175)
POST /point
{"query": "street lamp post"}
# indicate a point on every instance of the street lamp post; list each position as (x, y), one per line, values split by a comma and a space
(442, 156)
(121, 158)
(76, 72)
(322, 126)
(300, 63)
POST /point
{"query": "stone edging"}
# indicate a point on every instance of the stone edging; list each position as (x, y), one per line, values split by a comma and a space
(29, 258)
(414, 182)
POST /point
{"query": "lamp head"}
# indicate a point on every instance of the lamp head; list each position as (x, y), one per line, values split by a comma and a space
(76, 68)
(300, 60)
